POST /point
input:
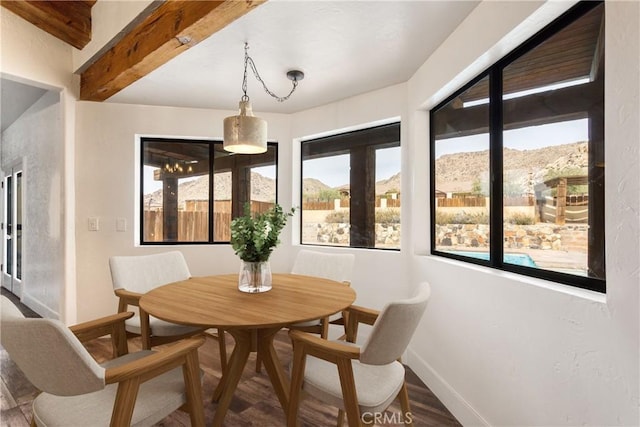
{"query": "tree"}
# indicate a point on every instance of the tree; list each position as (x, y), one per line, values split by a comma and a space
(476, 187)
(328, 194)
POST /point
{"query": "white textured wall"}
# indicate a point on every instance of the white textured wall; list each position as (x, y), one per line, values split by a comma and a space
(106, 188)
(31, 56)
(35, 140)
(500, 349)
(378, 275)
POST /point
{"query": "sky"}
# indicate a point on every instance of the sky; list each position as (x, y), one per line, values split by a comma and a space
(528, 138)
(334, 171)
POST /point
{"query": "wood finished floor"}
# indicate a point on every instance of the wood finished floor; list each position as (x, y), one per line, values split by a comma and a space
(254, 404)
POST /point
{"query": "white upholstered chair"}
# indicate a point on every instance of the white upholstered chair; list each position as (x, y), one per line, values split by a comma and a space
(137, 389)
(338, 267)
(132, 276)
(358, 379)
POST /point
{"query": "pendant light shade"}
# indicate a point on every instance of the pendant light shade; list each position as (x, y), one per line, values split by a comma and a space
(245, 133)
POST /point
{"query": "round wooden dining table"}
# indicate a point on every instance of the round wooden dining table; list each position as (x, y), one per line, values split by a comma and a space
(253, 319)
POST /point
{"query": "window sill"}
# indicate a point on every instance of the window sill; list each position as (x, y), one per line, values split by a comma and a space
(585, 294)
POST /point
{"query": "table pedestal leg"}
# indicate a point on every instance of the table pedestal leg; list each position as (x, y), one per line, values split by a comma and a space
(246, 341)
(272, 365)
(221, 384)
(231, 376)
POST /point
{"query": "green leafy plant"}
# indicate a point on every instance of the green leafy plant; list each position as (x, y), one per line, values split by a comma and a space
(254, 237)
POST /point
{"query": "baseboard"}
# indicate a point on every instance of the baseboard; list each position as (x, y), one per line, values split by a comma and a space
(35, 305)
(455, 403)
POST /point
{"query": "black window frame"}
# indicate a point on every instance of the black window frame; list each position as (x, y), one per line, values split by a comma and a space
(496, 225)
(361, 145)
(239, 160)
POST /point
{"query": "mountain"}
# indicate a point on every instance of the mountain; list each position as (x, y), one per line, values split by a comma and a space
(313, 186)
(389, 185)
(457, 172)
(262, 189)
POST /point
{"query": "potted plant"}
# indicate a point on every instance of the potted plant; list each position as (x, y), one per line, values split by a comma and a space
(253, 238)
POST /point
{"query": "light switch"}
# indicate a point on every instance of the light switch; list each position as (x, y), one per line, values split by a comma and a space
(94, 223)
(121, 224)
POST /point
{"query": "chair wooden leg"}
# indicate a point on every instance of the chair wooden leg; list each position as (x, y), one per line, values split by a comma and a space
(119, 343)
(404, 404)
(324, 327)
(297, 377)
(348, 385)
(340, 418)
(145, 330)
(33, 422)
(125, 402)
(258, 363)
(193, 388)
(222, 345)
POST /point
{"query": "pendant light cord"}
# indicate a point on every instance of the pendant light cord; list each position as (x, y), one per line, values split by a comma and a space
(248, 61)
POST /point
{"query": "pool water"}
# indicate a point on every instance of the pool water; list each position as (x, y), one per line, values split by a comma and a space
(516, 259)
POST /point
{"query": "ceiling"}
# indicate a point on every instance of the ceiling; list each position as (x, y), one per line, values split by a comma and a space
(345, 48)
(15, 99)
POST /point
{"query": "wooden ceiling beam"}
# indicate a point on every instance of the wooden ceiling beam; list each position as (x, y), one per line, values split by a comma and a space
(69, 21)
(170, 29)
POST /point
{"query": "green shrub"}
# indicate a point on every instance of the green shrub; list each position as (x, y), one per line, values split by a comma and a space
(338, 217)
(388, 216)
(328, 194)
(519, 218)
(462, 217)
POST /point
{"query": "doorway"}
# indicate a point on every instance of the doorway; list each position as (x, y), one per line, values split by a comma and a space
(12, 230)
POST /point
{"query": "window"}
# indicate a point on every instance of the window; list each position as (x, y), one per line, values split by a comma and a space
(351, 189)
(191, 189)
(517, 158)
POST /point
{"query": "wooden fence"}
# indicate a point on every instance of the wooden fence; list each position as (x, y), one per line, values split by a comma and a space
(323, 205)
(462, 202)
(519, 201)
(193, 223)
(193, 226)
(478, 202)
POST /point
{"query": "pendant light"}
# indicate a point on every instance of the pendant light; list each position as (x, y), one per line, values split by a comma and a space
(246, 133)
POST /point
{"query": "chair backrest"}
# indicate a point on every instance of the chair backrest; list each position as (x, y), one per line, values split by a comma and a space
(394, 327)
(48, 353)
(142, 273)
(338, 267)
